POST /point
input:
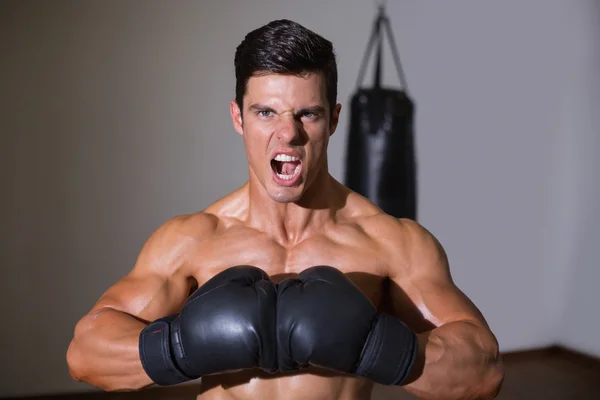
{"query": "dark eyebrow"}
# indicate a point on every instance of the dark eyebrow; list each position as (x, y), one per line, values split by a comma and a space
(314, 109)
(260, 107)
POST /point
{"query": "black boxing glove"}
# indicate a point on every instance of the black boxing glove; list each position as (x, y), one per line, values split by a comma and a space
(324, 320)
(227, 324)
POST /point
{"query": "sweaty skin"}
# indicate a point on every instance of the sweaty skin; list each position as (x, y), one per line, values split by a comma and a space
(285, 226)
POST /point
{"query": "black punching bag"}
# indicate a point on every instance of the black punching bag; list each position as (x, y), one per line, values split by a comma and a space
(380, 157)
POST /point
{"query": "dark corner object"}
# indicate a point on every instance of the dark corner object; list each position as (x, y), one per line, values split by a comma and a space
(380, 157)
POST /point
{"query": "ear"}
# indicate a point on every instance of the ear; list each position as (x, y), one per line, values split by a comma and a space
(335, 118)
(236, 117)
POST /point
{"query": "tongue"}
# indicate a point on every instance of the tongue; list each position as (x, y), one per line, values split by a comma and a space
(288, 168)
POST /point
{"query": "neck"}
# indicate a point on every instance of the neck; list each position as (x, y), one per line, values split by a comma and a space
(291, 223)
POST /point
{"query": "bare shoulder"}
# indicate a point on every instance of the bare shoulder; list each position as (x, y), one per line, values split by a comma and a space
(158, 284)
(409, 246)
(187, 231)
(168, 246)
(233, 206)
(406, 245)
(418, 267)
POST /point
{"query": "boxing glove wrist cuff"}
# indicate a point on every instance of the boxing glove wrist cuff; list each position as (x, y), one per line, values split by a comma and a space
(156, 354)
(389, 352)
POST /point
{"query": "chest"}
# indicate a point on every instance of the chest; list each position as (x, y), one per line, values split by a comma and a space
(357, 258)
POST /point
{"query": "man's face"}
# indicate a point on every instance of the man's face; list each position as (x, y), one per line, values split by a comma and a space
(286, 126)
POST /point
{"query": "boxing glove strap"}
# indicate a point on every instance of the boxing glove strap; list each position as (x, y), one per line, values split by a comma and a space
(156, 354)
(389, 352)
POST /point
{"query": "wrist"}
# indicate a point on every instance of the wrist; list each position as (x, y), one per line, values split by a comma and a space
(390, 352)
(157, 353)
(423, 345)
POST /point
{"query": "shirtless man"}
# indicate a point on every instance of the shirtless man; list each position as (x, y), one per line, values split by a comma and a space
(293, 286)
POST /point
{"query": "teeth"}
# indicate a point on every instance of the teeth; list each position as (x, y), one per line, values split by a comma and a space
(285, 158)
(288, 177)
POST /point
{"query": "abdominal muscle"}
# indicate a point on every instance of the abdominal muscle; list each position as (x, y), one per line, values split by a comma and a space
(309, 384)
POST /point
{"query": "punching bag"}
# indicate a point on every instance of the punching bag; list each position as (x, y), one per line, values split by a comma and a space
(380, 154)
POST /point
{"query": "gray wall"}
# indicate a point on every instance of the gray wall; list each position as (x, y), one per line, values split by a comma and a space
(578, 194)
(114, 117)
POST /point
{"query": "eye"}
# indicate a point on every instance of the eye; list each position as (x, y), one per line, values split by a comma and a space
(264, 113)
(310, 115)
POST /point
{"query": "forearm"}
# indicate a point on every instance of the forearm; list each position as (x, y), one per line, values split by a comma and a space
(104, 352)
(459, 360)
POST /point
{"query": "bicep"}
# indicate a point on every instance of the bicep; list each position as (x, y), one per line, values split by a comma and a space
(155, 287)
(146, 296)
(440, 302)
(424, 290)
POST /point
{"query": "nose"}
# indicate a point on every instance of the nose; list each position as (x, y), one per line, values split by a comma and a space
(289, 129)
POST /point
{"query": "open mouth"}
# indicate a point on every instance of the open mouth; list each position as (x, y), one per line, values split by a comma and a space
(285, 166)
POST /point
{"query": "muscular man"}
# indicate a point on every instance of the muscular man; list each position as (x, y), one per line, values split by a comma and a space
(293, 286)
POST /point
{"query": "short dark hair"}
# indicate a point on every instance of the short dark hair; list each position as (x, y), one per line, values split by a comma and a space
(284, 47)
